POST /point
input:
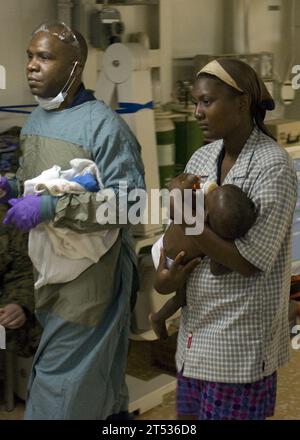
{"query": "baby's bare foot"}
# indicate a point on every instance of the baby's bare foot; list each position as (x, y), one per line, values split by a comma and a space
(159, 326)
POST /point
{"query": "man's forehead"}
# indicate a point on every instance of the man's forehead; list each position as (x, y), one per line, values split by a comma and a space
(46, 41)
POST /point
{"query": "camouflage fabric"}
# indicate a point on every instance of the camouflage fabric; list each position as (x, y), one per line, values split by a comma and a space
(10, 150)
(16, 286)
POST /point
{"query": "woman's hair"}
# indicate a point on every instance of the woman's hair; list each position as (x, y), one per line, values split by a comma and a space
(240, 78)
(231, 90)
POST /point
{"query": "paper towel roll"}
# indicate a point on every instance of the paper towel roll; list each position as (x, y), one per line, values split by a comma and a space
(120, 60)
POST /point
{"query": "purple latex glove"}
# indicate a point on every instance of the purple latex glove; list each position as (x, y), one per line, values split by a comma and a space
(5, 190)
(25, 212)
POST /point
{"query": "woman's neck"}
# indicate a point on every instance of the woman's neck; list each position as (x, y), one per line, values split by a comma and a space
(235, 142)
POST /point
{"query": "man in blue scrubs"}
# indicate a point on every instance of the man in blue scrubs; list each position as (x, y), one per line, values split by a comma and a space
(79, 367)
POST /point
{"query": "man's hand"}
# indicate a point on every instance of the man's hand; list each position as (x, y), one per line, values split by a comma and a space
(25, 213)
(12, 316)
(170, 279)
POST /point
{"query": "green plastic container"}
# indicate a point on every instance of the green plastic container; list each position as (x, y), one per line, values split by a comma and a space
(188, 135)
(165, 139)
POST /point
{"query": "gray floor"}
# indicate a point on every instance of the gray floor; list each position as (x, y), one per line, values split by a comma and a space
(141, 364)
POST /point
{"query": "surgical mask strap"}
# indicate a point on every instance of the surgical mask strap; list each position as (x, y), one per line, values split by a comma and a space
(66, 88)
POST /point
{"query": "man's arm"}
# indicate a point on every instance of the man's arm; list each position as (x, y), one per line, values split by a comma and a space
(117, 155)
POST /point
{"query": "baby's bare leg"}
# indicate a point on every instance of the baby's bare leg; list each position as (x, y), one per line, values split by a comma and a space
(158, 319)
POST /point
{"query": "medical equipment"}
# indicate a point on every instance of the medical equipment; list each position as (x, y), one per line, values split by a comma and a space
(106, 27)
(125, 83)
(286, 131)
(165, 138)
(188, 135)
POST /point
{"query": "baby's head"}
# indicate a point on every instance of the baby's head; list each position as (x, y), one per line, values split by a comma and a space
(230, 212)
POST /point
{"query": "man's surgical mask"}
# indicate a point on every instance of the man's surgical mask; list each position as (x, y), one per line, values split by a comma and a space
(54, 103)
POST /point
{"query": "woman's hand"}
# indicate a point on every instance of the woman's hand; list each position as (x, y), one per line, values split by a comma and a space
(170, 279)
(12, 316)
(181, 182)
(185, 181)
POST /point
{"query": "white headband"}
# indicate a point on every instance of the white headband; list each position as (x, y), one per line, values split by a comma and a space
(215, 68)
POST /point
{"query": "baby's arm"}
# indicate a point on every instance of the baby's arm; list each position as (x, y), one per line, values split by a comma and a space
(175, 241)
(158, 319)
(170, 279)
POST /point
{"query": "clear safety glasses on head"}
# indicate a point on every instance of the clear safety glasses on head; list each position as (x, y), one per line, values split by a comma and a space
(60, 30)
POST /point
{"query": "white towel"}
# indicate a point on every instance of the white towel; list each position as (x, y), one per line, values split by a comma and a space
(59, 254)
(57, 182)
